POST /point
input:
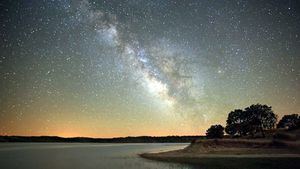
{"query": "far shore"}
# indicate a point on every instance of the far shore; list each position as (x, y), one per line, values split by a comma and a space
(129, 139)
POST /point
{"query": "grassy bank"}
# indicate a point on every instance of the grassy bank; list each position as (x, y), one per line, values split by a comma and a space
(233, 162)
(234, 153)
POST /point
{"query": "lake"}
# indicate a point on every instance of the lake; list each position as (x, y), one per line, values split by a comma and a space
(83, 156)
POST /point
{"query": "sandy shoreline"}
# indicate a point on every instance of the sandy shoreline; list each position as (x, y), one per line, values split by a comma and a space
(170, 156)
(207, 151)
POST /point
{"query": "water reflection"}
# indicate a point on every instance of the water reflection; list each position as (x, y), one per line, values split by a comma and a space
(82, 156)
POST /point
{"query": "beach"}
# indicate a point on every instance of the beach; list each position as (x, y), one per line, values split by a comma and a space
(233, 152)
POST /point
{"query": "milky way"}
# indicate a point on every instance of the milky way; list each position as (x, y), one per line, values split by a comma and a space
(111, 68)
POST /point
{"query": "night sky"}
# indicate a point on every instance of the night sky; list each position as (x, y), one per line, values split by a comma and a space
(127, 68)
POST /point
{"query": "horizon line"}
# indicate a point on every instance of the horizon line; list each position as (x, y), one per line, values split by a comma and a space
(101, 137)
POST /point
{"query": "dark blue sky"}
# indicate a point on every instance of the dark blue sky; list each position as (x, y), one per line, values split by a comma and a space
(111, 68)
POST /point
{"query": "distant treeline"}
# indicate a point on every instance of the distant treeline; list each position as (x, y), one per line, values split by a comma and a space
(140, 139)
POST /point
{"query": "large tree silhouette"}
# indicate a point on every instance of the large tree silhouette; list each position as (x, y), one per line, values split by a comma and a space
(255, 118)
(260, 118)
(235, 122)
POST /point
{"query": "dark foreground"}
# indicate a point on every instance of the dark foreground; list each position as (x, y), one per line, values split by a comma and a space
(119, 156)
(234, 153)
(235, 162)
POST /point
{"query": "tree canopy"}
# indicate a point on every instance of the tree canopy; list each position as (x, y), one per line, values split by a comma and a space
(235, 122)
(290, 122)
(253, 119)
(215, 131)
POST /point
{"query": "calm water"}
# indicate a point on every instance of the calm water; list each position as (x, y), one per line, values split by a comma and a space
(82, 156)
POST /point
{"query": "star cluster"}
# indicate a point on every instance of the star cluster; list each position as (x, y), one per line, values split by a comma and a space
(134, 67)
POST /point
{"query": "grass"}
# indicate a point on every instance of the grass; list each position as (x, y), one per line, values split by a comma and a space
(243, 163)
(234, 153)
(214, 162)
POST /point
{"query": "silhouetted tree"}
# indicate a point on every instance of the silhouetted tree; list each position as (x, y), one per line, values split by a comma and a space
(215, 131)
(253, 119)
(231, 130)
(235, 122)
(259, 118)
(290, 122)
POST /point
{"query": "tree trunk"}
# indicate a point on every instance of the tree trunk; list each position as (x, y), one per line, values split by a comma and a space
(262, 132)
